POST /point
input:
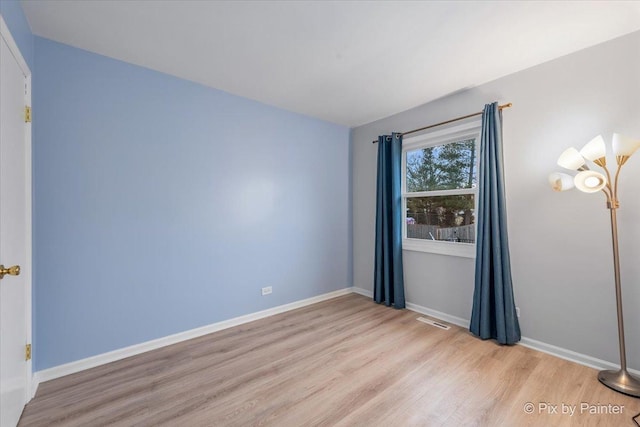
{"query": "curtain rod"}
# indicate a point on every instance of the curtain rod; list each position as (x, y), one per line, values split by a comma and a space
(448, 121)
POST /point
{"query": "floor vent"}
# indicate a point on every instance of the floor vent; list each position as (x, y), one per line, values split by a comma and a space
(433, 323)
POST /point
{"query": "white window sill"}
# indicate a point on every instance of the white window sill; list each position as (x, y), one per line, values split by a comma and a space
(464, 250)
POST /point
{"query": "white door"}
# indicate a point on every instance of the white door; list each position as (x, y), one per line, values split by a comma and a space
(15, 231)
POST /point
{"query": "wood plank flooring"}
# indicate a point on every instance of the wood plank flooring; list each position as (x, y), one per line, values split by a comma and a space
(342, 362)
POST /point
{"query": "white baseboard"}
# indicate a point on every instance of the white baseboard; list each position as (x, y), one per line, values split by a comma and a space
(571, 355)
(364, 292)
(122, 353)
(553, 350)
(454, 320)
(112, 356)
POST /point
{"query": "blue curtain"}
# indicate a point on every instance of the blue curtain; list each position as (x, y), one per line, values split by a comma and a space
(388, 278)
(494, 310)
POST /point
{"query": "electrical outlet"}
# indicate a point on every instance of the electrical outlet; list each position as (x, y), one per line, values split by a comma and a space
(267, 290)
(518, 311)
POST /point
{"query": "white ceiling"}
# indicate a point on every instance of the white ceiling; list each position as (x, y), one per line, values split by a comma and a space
(348, 62)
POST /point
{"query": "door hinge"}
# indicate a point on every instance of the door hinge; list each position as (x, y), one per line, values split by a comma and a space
(27, 114)
(27, 352)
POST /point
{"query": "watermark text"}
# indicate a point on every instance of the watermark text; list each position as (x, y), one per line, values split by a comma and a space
(571, 409)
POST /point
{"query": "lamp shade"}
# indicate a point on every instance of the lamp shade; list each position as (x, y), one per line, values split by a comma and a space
(561, 181)
(595, 149)
(571, 159)
(590, 181)
(623, 145)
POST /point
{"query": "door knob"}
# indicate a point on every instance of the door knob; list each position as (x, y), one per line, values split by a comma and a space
(11, 271)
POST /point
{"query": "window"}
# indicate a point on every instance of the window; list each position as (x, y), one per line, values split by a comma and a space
(439, 188)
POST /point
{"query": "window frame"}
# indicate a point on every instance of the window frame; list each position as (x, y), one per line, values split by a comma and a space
(441, 137)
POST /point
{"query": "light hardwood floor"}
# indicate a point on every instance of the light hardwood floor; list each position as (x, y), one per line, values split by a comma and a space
(342, 362)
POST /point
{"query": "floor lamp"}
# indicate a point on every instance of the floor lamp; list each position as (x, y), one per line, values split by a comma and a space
(590, 181)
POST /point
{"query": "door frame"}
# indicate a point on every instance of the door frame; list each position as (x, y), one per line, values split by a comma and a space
(27, 269)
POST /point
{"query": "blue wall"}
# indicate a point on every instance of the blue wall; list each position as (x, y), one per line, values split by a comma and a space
(14, 17)
(163, 205)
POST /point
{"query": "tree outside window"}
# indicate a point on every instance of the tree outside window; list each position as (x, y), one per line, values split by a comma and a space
(440, 187)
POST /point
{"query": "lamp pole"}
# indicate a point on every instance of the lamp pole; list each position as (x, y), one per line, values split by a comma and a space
(620, 380)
